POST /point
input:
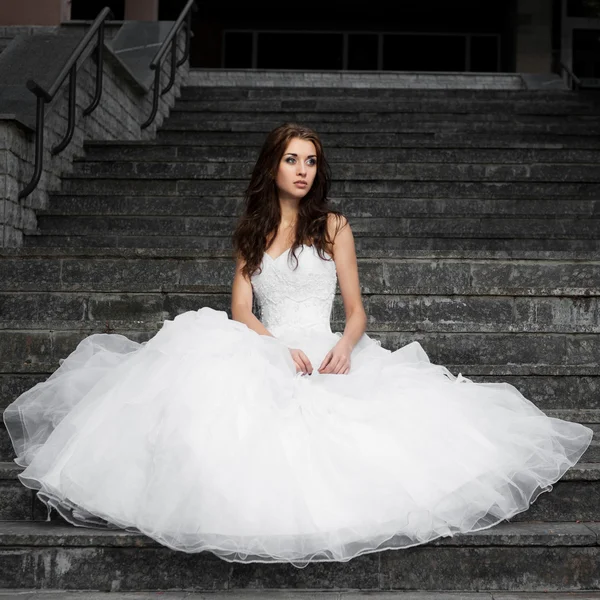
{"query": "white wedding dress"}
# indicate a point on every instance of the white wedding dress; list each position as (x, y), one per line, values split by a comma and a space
(205, 438)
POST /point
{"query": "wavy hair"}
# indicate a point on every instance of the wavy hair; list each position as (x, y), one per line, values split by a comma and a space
(260, 220)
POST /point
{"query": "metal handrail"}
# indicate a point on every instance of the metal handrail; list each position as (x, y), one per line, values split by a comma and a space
(45, 96)
(156, 65)
(573, 81)
(70, 69)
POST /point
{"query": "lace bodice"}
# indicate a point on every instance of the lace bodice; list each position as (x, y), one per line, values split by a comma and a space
(291, 297)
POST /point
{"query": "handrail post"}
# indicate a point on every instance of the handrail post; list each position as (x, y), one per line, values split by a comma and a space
(45, 96)
(173, 66)
(71, 122)
(155, 91)
(99, 71)
(185, 18)
(39, 149)
(70, 68)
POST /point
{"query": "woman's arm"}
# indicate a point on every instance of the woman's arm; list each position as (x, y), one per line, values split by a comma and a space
(241, 301)
(338, 358)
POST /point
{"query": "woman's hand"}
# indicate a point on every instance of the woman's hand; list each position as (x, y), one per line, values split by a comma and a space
(301, 361)
(337, 360)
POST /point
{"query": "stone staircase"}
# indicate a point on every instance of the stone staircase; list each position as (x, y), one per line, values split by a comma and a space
(477, 219)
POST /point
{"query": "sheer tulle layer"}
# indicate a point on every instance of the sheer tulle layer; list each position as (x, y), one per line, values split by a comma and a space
(205, 438)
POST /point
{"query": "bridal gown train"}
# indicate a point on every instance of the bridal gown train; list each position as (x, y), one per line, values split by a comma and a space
(205, 438)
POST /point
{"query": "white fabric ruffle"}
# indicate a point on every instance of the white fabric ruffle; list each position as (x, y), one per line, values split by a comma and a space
(205, 438)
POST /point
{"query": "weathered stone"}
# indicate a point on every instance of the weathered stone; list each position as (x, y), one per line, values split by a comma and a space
(118, 275)
(493, 348)
(200, 274)
(513, 247)
(384, 123)
(29, 274)
(568, 501)
(535, 569)
(127, 188)
(152, 205)
(180, 134)
(16, 501)
(477, 313)
(7, 452)
(557, 556)
(556, 392)
(28, 307)
(349, 154)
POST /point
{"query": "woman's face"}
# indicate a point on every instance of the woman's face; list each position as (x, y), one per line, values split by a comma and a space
(297, 169)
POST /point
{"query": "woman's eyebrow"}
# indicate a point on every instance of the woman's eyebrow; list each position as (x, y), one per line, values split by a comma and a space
(294, 154)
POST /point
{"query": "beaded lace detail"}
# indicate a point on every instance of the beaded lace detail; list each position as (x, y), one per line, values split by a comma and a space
(295, 297)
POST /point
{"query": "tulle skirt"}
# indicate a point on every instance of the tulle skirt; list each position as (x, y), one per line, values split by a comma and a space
(205, 438)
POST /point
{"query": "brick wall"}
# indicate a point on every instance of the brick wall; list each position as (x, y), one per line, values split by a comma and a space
(123, 107)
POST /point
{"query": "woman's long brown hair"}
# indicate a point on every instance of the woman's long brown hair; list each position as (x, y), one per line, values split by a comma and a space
(262, 214)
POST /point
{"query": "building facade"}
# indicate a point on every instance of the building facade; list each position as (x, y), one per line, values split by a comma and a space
(524, 36)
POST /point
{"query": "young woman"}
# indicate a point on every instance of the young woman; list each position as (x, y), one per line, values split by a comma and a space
(274, 439)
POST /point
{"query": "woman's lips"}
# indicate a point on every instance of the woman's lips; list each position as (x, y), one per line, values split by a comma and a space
(300, 183)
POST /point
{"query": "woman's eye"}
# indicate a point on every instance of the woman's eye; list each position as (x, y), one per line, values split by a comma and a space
(290, 160)
(312, 162)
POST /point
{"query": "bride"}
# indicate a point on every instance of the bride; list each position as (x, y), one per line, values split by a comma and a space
(278, 440)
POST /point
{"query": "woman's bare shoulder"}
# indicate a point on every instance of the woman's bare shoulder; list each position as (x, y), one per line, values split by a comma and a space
(335, 223)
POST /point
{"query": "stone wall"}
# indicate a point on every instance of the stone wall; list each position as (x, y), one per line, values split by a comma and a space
(8, 33)
(124, 105)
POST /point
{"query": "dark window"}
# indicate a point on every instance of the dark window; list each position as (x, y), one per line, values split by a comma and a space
(586, 52)
(169, 10)
(424, 52)
(484, 54)
(310, 50)
(583, 8)
(362, 51)
(238, 50)
(88, 10)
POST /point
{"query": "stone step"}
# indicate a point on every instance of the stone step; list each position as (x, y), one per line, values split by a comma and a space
(387, 311)
(117, 561)
(574, 497)
(525, 99)
(152, 151)
(218, 91)
(367, 246)
(400, 189)
(444, 226)
(265, 123)
(254, 78)
(387, 171)
(371, 247)
(284, 594)
(426, 105)
(352, 207)
(375, 113)
(123, 271)
(571, 255)
(182, 135)
(35, 351)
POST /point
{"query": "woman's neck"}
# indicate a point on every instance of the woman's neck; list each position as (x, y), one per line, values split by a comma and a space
(289, 212)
